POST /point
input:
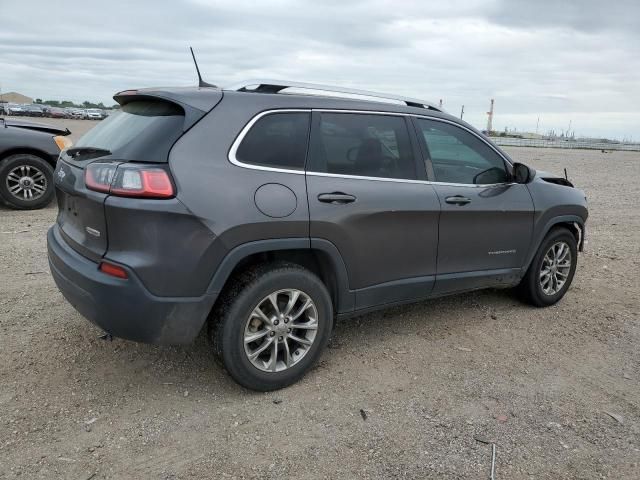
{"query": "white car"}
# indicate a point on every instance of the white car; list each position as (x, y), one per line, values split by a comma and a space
(14, 109)
(94, 114)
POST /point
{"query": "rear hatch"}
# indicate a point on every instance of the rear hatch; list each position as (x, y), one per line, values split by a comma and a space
(80, 210)
(142, 132)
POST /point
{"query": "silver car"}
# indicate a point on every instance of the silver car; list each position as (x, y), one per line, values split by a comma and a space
(94, 114)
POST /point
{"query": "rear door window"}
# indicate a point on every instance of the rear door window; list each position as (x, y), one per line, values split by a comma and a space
(277, 140)
(366, 145)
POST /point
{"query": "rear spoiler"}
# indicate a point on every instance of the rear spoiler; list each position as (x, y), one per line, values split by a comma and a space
(195, 101)
(39, 127)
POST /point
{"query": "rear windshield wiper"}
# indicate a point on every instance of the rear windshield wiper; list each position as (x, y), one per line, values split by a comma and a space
(84, 151)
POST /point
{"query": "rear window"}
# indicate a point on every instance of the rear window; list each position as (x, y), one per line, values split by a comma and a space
(139, 131)
(277, 140)
(365, 145)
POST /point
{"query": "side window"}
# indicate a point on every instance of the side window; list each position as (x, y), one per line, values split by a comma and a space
(366, 145)
(460, 157)
(277, 140)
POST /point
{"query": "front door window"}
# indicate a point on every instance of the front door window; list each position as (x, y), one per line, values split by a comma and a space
(458, 156)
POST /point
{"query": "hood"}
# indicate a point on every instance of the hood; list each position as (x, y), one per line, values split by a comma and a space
(553, 178)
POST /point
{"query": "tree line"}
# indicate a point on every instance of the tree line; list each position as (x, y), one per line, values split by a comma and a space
(69, 103)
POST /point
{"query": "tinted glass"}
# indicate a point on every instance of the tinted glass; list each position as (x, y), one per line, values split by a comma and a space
(277, 140)
(140, 130)
(363, 144)
(128, 123)
(459, 156)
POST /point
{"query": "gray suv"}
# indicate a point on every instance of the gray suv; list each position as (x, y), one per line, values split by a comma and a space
(268, 210)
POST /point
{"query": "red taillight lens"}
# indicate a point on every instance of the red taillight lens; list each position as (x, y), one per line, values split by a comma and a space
(98, 176)
(142, 182)
(129, 180)
(113, 270)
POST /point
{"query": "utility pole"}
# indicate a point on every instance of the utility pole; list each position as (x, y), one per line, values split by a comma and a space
(537, 125)
(462, 112)
(440, 103)
(490, 119)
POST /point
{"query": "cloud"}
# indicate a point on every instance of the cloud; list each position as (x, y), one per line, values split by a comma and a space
(556, 60)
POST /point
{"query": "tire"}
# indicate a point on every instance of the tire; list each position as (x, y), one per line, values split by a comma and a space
(36, 179)
(234, 320)
(532, 287)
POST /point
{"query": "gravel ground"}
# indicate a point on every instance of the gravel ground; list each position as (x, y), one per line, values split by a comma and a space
(412, 392)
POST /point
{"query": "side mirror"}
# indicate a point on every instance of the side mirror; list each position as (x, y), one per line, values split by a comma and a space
(522, 173)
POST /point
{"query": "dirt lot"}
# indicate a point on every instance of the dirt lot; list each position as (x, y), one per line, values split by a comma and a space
(404, 393)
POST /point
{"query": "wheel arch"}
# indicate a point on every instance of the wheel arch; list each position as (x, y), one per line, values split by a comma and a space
(47, 157)
(318, 255)
(574, 223)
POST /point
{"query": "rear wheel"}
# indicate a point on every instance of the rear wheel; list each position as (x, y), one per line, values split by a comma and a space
(272, 325)
(552, 269)
(26, 181)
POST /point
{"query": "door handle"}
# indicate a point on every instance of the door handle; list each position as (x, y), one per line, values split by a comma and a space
(336, 198)
(457, 200)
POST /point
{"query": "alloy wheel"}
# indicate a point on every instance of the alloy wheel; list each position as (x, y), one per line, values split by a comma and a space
(26, 182)
(280, 330)
(555, 268)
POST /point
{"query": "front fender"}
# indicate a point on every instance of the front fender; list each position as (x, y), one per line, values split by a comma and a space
(541, 233)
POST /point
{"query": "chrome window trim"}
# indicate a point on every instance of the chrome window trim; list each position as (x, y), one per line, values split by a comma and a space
(236, 144)
(362, 177)
(406, 180)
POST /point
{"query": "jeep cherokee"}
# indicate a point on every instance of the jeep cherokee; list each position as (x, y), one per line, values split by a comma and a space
(270, 209)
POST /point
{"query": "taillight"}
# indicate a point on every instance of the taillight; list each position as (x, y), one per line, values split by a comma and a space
(129, 180)
(98, 176)
(142, 182)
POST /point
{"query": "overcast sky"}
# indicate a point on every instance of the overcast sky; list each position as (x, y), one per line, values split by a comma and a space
(565, 61)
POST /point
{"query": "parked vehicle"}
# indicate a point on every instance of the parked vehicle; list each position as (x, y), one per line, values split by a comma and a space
(28, 154)
(77, 113)
(268, 215)
(56, 112)
(45, 109)
(33, 111)
(14, 109)
(94, 114)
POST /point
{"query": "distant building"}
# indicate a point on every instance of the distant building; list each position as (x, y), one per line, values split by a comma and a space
(533, 136)
(14, 97)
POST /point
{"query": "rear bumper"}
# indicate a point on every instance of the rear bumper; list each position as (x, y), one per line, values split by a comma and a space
(124, 308)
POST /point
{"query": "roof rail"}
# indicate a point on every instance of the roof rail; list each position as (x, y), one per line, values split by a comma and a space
(276, 86)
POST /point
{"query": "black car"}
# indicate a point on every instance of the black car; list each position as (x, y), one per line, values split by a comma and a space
(28, 154)
(33, 111)
(269, 213)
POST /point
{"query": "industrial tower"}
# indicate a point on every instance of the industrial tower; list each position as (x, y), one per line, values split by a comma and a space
(490, 119)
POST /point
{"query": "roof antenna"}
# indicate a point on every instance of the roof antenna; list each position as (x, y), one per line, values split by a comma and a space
(201, 83)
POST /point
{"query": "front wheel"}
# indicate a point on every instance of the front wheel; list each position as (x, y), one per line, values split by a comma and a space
(26, 181)
(552, 269)
(272, 325)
